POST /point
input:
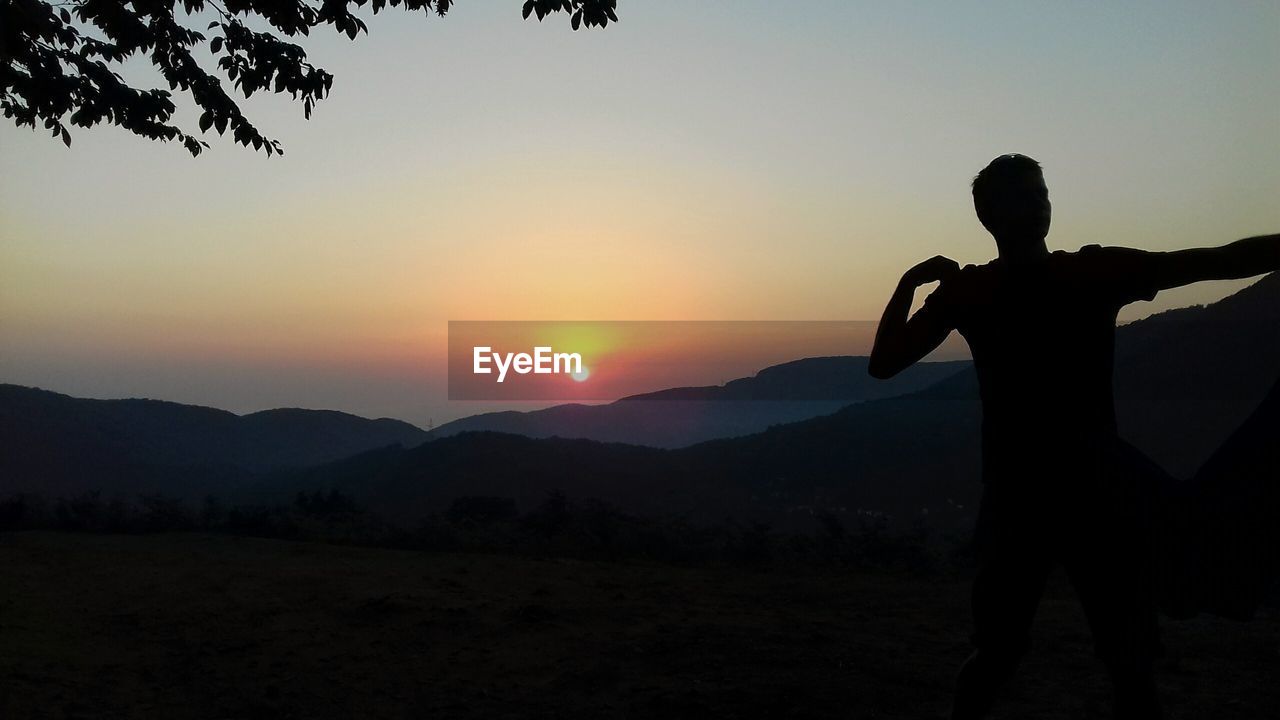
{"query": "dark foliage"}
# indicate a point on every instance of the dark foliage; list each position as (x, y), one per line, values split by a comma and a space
(480, 510)
(332, 504)
(559, 527)
(59, 59)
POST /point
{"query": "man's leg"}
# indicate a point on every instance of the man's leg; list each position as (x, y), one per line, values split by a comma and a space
(1112, 573)
(1012, 570)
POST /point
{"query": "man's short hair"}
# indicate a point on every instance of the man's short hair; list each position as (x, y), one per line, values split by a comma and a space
(1001, 174)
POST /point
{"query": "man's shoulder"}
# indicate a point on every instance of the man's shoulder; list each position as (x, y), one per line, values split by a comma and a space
(1096, 253)
(1086, 253)
(1121, 273)
(966, 285)
(1105, 260)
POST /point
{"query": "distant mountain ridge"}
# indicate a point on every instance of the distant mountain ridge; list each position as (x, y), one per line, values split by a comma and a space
(58, 443)
(683, 416)
(839, 377)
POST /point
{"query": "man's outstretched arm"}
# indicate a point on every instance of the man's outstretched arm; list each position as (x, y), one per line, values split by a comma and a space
(1240, 259)
(900, 341)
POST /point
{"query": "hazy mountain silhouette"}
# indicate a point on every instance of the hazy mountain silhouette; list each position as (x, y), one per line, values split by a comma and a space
(683, 416)
(60, 444)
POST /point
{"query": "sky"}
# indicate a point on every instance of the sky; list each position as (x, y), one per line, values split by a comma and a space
(696, 161)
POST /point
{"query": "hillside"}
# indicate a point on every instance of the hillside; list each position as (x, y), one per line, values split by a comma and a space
(1186, 378)
(59, 444)
(1230, 527)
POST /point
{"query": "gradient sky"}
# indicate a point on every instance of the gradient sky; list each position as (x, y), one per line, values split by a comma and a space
(699, 160)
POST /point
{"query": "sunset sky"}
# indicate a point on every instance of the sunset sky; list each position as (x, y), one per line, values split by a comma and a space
(706, 160)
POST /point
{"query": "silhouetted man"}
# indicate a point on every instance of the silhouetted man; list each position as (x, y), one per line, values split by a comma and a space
(1041, 327)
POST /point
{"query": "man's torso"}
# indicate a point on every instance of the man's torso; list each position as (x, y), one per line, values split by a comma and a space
(1042, 337)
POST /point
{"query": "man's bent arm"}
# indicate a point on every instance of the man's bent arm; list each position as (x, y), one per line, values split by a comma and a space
(1240, 259)
(901, 342)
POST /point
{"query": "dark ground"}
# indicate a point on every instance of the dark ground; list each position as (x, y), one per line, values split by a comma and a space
(203, 626)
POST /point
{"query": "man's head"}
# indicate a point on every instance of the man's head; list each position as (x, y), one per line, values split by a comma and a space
(1012, 200)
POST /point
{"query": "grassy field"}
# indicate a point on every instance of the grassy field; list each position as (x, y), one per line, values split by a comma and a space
(201, 626)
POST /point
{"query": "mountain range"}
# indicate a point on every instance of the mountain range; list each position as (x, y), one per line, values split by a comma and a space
(1185, 381)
